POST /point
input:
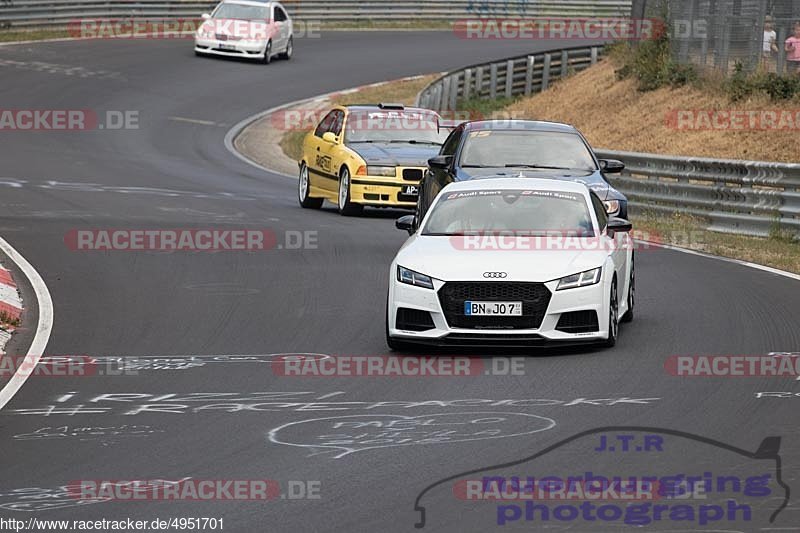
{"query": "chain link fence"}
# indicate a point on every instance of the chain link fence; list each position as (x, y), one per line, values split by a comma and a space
(718, 35)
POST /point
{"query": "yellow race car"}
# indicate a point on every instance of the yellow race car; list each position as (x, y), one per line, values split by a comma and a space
(368, 155)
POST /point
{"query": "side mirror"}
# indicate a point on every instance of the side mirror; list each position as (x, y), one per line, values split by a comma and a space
(406, 223)
(440, 161)
(329, 137)
(611, 166)
(205, 16)
(618, 225)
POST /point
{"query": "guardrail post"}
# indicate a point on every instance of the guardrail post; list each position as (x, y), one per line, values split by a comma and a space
(529, 75)
(478, 82)
(437, 97)
(509, 77)
(564, 63)
(493, 82)
(546, 72)
(445, 94)
(454, 92)
(467, 83)
(594, 55)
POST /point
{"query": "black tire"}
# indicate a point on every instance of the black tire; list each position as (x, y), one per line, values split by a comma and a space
(628, 316)
(267, 54)
(346, 207)
(304, 190)
(613, 317)
(286, 55)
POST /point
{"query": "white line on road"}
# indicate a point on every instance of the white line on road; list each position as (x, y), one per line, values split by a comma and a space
(43, 328)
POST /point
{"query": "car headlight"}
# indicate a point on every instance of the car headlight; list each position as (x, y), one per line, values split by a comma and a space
(381, 171)
(205, 33)
(612, 206)
(583, 279)
(410, 277)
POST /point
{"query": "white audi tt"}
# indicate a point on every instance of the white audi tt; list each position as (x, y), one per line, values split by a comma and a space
(246, 29)
(511, 262)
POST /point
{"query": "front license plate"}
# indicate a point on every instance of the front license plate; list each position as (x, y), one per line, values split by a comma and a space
(492, 308)
(223, 46)
(411, 190)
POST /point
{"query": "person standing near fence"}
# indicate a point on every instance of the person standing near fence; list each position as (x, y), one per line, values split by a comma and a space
(769, 46)
(792, 48)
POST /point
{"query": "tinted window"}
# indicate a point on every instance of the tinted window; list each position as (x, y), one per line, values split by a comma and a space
(496, 148)
(326, 123)
(451, 144)
(508, 210)
(280, 15)
(336, 126)
(241, 12)
(392, 126)
(600, 211)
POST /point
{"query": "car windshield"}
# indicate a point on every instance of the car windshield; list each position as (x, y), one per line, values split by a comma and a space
(382, 126)
(526, 212)
(526, 149)
(241, 12)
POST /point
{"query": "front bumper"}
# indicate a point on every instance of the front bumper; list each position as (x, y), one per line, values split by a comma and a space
(585, 299)
(246, 49)
(387, 191)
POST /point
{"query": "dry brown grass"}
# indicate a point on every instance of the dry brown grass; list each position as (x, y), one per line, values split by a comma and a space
(615, 115)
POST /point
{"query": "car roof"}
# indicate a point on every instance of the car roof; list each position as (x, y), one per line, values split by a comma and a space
(250, 2)
(505, 182)
(373, 107)
(519, 125)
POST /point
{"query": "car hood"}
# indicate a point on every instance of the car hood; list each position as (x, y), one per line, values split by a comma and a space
(446, 259)
(395, 154)
(593, 180)
(240, 29)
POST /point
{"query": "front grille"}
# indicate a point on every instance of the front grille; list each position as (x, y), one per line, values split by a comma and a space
(578, 322)
(221, 37)
(412, 174)
(413, 320)
(535, 298)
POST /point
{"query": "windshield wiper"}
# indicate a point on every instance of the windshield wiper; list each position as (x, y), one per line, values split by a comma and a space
(415, 142)
(544, 167)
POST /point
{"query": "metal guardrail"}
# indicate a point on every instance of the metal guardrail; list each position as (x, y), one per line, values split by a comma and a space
(743, 197)
(523, 75)
(58, 13)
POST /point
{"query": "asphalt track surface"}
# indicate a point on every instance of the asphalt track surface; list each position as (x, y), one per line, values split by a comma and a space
(330, 300)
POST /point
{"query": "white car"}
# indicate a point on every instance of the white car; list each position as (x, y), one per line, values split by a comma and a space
(511, 262)
(241, 28)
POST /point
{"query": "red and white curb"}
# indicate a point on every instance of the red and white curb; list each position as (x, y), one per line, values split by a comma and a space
(10, 306)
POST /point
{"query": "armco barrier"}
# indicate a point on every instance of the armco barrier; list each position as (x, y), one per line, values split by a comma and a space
(58, 13)
(744, 197)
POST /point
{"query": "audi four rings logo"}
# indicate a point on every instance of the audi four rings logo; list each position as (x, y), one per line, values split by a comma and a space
(495, 275)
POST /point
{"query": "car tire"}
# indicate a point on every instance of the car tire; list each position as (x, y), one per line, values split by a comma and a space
(304, 190)
(267, 53)
(287, 54)
(346, 207)
(628, 316)
(613, 317)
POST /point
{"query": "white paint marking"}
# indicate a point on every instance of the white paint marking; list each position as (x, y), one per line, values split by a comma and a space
(195, 121)
(43, 328)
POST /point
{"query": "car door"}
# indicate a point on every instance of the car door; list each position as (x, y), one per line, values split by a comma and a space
(283, 28)
(318, 167)
(329, 154)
